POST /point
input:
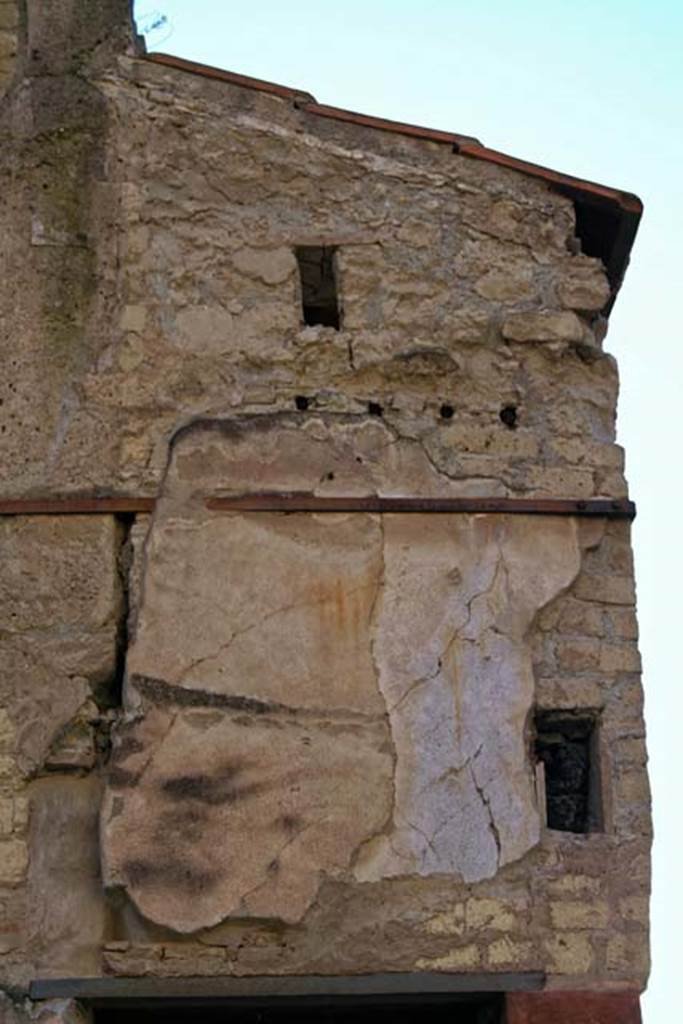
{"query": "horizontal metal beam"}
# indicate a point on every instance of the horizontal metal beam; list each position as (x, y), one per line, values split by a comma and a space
(286, 501)
(305, 502)
(74, 506)
(374, 987)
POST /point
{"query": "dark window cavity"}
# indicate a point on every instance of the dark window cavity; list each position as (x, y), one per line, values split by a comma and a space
(319, 296)
(566, 745)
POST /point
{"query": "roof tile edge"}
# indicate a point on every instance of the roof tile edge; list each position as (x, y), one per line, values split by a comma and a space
(467, 145)
(626, 207)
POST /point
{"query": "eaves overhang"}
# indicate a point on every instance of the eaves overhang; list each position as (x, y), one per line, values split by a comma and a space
(607, 218)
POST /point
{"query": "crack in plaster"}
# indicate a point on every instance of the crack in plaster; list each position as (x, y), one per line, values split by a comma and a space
(225, 646)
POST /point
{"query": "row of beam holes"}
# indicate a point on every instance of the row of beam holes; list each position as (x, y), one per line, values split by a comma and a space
(508, 414)
(321, 307)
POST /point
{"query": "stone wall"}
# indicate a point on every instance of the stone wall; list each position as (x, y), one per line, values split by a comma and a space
(387, 668)
(9, 28)
(459, 282)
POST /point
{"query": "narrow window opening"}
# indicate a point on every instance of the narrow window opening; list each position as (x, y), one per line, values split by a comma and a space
(319, 297)
(566, 749)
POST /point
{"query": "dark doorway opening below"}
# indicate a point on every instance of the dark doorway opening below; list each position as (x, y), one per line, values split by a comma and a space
(465, 1009)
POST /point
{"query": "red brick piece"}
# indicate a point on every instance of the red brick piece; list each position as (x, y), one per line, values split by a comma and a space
(573, 1008)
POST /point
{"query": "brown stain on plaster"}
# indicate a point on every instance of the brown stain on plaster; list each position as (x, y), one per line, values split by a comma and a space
(221, 787)
(168, 873)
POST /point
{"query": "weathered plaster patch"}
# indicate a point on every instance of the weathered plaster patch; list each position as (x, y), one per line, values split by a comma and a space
(297, 675)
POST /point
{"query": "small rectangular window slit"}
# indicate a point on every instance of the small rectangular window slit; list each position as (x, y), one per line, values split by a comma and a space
(568, 772)
(319, 297)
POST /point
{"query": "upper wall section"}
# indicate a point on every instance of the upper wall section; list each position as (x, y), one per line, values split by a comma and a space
(162, 232)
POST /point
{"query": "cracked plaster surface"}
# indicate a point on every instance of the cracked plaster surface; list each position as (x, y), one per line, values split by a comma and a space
(310, 695)
(459, 595)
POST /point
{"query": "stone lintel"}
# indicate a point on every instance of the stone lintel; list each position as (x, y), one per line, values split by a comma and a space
(100, 991)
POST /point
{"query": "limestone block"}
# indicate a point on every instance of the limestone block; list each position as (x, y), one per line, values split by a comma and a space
(568, 914)
(9, 14)
(606, 588)
(578, 654)
(306, 691)
(545, 326)
(623, 622)
(13, 861)
(512, 444)
(60, 601)
(633, 787)
(584, 886)
(66, 903)
(509, 952)
(273, 266)
(6, 816)
(133, 318)
(41, 702)
(489, 913)
(459, 959)
(543, 228)
(628, 955)
(507, 285)
(447, 922)
(584, 286)
(6, 70)
(584, 451)
(634, 908)
(7, 732)
(570, 953)
(619, 658)
(8, 44)
(58, 572)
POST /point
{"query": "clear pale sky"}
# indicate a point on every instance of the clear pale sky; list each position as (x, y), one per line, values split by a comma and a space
(590, 87)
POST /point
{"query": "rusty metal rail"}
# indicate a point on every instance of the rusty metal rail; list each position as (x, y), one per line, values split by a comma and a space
(295, 501)
(305, 502)
(74, 506)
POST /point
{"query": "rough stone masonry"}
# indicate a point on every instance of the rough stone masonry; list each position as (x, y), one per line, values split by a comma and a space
(307, 743)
